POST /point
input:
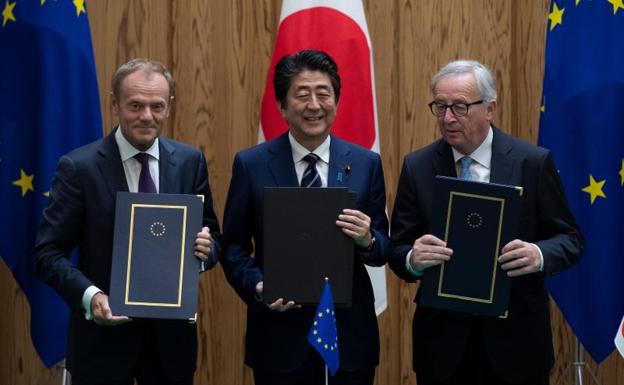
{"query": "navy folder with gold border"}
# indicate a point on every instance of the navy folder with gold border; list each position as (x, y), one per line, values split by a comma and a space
(155, 273)
(475, 220)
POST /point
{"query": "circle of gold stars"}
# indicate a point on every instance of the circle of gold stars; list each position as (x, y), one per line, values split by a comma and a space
(474, 220)
(327, 345)
(158, 229)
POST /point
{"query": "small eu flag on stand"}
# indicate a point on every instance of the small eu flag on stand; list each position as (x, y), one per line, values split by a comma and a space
(323, 334)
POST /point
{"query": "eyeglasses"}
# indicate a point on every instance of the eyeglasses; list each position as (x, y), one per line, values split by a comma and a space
(458, 109)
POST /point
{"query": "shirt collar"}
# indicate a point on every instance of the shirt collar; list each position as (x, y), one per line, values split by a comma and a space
(127, 150)
(299, 151)
(483, 153)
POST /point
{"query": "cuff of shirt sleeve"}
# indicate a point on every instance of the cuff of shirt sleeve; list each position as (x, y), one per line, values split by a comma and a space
(86, 301)
(541, 266)
(412, 270)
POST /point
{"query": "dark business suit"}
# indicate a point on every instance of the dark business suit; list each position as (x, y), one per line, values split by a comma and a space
(276, 342)
(80, 213)
(519, 347)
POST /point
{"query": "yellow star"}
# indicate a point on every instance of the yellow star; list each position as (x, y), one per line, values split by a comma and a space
(43, 2)
(617, 4)
(25, 182)
(7, 12)
(79, 4)
(556, 16)
(595, 189)
(622, 174)
(577, 2)
(320, 314)
(46, 194)
(543, 106)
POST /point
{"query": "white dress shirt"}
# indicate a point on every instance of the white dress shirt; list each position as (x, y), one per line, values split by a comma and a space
(322, 165)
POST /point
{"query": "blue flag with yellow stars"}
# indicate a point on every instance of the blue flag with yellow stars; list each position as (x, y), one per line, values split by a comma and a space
(582, 122)
(49, 104)
(323, 334)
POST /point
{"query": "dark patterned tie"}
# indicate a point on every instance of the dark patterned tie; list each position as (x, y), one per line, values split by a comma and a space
(311, 177)
(464, 173)
(146, 183)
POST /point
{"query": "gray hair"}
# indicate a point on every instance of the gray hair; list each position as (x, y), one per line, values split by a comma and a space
(483, 77)
(148, 66)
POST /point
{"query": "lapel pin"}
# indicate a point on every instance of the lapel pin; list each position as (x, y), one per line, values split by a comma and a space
(339, 176)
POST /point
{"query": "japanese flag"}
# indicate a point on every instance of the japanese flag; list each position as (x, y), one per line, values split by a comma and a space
(619, 339)
(338, 28)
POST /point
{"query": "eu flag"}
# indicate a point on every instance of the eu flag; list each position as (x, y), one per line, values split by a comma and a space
(323, 335)
(49, 104)
(582, 123)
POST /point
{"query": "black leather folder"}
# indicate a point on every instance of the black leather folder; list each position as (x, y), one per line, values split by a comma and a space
(302, 244)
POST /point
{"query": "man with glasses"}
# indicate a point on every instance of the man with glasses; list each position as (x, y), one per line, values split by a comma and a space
(460, 348)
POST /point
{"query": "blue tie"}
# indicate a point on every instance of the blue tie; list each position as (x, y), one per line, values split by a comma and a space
(146, 183)
(464, 173)
(311, 177)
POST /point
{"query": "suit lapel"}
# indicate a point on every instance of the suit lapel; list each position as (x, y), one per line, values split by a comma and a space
(502, 162)
(281, 163)
(339, 163)
(445, 165)
(110, 165)
(167, 167)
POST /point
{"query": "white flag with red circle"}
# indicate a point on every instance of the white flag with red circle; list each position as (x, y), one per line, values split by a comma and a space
(619, 338)
(338, 28)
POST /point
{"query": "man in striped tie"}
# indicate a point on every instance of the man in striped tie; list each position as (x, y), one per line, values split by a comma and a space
(307, 89)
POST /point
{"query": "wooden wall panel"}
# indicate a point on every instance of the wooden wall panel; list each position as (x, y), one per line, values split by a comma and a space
(219, 54)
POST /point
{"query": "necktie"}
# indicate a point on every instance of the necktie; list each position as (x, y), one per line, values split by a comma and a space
(311, 177)
(146, 183)
(464, 173)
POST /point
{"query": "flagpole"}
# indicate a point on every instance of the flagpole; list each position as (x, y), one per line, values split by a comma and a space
(578, 365)
(326, 376)
(65, 380)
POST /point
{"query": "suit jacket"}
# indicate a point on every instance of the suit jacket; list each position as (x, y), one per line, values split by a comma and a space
(276, 342)
(80, 214)
(520, 346)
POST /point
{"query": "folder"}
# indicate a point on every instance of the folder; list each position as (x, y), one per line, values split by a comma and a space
(155, 273)
(302, 244)
(476, 220)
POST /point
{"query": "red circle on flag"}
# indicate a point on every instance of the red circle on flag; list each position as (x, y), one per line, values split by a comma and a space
(328, 30)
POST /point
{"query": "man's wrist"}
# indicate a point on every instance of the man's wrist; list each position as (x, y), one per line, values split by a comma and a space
(87, 297)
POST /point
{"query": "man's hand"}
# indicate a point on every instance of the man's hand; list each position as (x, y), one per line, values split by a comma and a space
(520, 258)
(428, 251)
(356, 225)
(203, 244)
(102, 314)
(278, 305)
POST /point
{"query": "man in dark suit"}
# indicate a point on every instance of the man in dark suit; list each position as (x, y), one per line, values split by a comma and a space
(457, 348)
(107, 348)
(307, 89)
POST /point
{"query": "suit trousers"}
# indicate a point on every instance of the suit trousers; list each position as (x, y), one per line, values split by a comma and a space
(475, 368)
(312, 372)
(148, 369)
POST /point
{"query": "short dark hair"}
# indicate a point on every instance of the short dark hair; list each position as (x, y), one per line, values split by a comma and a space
(141, 64)
(292, 65)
